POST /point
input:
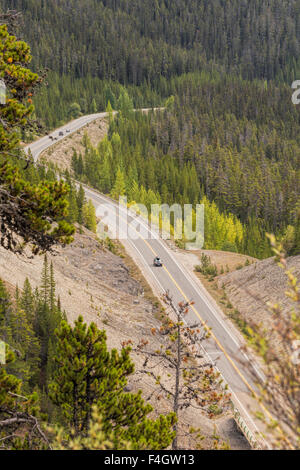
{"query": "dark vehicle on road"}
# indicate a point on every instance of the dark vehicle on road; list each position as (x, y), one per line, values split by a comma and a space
(157, 262)
(61, 133)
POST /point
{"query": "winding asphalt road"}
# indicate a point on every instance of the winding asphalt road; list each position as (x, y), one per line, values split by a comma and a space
(224, 345)
(40, 145)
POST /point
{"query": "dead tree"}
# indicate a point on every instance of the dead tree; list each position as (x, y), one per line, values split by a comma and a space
(196, 383)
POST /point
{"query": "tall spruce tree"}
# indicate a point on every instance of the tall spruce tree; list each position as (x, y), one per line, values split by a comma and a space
(27, 303)
(119, 188)
(80, 203)
(89, 216)
(48, 318)
(4, 304)
(52, 297)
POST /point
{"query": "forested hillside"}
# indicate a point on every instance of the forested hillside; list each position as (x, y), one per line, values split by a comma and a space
(243, 155)
(138, 41)
(92, 46)
(230, 132)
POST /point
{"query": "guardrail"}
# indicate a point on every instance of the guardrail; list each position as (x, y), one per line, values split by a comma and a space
(246, 431)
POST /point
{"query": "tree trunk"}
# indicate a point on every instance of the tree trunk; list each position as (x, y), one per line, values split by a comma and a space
(177, 384)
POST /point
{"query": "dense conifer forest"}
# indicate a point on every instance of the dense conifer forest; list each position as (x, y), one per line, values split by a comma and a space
(242, 156)
(230, 132)
(93, 46)
(137, 41)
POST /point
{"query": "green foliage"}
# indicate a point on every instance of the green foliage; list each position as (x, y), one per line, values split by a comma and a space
(142, 41)
(125, 105)
(109, 110)
(48, 317)
(143, 46)
(8, 383)
(213, 138)
(169, 104)
(19, 334)
(127, 164)
(207, 267)
(119, 186)
(291, 238)
(4, 304)
(20, 83)
(87, 374)
(80, 199)
(31, 212)
(20, 429)
(89, 216)
(27, 326)
(74, 111)
(79, 210)
(96, 438)
(222, 231)
(86, 380)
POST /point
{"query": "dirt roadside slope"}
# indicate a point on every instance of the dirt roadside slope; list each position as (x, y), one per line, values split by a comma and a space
(61, 153)
(97, 284)
(251, 288)
(243, 292)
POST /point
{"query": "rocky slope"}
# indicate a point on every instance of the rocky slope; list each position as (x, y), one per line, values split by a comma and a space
(250, 289)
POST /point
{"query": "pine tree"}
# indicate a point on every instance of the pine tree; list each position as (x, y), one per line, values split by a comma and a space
(94, 106)
(27, 211)
(17, 331)
(109, 110)
(125, 105)
(134, 192)
(4, 304)
(52, 297)
(96, 438)
(45, 282)
(27, 301)
(47, 318)
(89, 216)
(105, 175)
(73, 213)
(74, 111)
(119, 188)
(87, 374)
(115, 142)
(80, 203)
(20, 428)
(21, 337)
